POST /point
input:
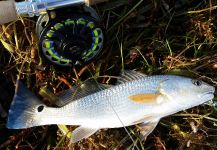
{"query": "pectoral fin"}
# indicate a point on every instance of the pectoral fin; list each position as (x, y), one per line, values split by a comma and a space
(149, 98)
(81, 133)
(147, 127)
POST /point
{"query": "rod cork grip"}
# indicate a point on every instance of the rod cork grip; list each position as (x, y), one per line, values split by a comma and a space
(93, 2)
(8, 12)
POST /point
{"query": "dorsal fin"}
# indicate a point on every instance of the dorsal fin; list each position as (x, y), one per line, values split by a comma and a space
(78, 91)
(130, 75)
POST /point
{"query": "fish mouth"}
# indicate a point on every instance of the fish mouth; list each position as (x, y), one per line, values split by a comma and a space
(208, 95)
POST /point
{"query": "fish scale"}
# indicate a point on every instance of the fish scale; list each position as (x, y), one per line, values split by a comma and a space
(137, 99)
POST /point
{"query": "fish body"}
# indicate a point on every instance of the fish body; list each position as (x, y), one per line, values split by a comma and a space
(137, 99)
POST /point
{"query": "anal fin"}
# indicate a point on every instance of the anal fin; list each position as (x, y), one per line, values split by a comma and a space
(81, 133)
(147, 127)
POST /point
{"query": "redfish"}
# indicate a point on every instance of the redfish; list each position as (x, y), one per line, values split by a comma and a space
(135, 99)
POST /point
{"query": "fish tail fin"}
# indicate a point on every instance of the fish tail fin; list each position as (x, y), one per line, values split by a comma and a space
(24, 109)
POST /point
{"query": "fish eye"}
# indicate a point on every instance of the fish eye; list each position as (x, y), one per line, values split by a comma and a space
(197, 82)
(40, 108)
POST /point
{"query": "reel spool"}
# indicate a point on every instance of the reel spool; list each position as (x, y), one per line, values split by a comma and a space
(70, 36)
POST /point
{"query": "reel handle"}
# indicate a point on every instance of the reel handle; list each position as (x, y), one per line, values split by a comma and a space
(9, 10)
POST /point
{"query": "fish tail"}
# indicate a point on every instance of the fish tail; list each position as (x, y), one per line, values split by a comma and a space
(24, 109)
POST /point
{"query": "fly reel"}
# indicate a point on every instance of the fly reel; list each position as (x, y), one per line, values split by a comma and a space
(70, 36)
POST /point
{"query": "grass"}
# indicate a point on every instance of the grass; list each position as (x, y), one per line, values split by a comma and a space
(152, 36)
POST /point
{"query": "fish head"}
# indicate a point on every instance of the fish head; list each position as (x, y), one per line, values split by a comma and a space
(187, 92)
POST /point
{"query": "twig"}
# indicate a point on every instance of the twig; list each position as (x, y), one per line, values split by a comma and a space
(65, 81)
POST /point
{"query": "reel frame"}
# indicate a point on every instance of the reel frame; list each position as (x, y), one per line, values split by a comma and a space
(84, 47)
